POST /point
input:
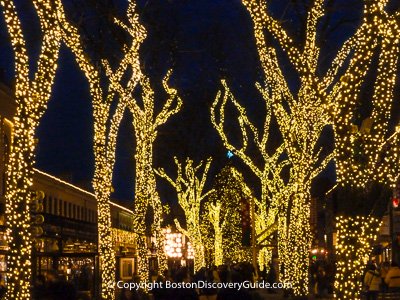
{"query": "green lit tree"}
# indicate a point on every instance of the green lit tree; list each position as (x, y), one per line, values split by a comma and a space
(223, 217)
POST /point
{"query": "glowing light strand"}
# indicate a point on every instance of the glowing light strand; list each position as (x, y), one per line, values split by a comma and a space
(189, 185)
(369, 152)
(301, 126)
(355, 236)
(222, 220)
(273, 188)
(31, 96)
(105, 133)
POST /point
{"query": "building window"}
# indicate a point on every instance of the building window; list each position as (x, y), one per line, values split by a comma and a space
(55, 206)
(45, 203)
(50, 211)
(65, 209)
(78, 212)
(69, 210)
(73, 211)
(60, 207)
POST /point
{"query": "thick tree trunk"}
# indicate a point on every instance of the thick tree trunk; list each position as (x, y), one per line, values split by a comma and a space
(218, 250)
(160, 237)
(105, 246)
(355, 236)
(145, 195)
(297, 244)
(199, 259)
(18, 196)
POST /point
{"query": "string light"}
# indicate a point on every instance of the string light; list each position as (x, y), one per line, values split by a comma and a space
(145, 123)
(120, 236)
(321, 100)
(369, 153)
(355, 236)
(189, 186)
(273, 188)
(301, 118)
(106, 129)
(31, 95)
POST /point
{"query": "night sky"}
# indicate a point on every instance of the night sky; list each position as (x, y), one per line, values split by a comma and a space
(203, 41)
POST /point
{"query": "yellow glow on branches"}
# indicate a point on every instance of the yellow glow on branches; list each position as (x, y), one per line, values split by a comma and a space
(31, 96)
(146, 124)
(369, 153)
(273, 188)
(106, 129)
(214, 215)
(301, 118)
(355, 236)
(189, 187)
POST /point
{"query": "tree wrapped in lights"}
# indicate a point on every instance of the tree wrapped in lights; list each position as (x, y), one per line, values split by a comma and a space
(106, 125)
(189, 186)
(146, 123)
(368, 154)
(354, 238)
(273, 187)
(32, 92)
(223, 217)
(301, 115)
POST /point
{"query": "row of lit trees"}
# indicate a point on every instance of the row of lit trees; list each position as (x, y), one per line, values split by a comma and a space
(145, 123)
(287, 172)
(321, 100)
(32, 94)
(213, 217)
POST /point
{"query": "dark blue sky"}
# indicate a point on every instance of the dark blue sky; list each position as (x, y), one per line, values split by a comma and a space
(203, 41)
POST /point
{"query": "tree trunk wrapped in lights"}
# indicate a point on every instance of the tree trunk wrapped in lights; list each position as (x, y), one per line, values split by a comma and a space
(273, 187)
(189, 187)
(214, 215)
(32, 92)
(368, 154)
(146, 124)
(355, 236)
(106, 125)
